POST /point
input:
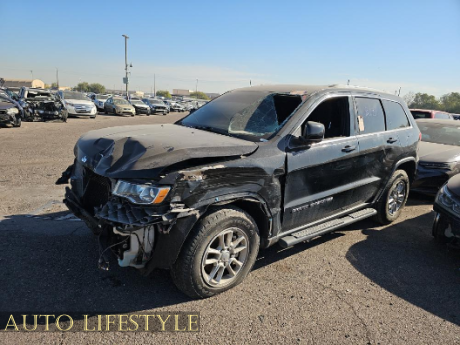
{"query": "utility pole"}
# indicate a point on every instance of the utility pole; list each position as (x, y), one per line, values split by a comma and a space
(154, 86)
(32, 74)
(196, 89)
(126, 63)
(57, 78)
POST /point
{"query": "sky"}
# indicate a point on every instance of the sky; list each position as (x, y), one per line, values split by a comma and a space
(412, 44)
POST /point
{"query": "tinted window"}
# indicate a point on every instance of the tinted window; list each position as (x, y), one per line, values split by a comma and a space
(417, 114)
(395, 115)
(441, 116)
(370, 115)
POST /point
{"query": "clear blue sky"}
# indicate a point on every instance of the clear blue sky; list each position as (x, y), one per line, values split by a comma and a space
(385, 44)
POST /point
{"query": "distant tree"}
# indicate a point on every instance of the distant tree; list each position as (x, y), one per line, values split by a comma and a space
(425, 101)
(83, 87)
(409, 98)
(451, 102)
(96, 88)
(47, 86)
(163, 93)
(200, 95)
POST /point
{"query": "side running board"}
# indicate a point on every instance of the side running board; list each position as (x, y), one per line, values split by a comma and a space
(321, 229)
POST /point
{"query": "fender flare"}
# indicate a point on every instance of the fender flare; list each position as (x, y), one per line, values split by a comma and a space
(168, 246)
(395, 167)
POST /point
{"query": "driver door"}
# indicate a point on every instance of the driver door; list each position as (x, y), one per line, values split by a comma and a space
(321, 178)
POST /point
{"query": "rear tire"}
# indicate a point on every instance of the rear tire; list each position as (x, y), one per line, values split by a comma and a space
(394, 198)
(218, 254)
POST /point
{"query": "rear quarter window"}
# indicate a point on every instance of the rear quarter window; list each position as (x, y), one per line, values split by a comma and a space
(395, 115)
(370, 115)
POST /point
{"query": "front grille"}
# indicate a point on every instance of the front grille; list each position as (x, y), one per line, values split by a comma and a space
(92, 189)
(96, 191)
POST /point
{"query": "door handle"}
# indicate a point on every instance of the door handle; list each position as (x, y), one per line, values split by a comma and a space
(391, 140)
(348, 148)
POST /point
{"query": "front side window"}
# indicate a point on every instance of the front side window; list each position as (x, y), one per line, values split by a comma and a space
(370, 115)
(334, 114)
(252, 115)
(395, 115)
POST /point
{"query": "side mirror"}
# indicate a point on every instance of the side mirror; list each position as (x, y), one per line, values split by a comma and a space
(313, 132)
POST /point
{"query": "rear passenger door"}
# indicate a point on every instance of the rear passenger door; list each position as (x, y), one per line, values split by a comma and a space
(378, 147)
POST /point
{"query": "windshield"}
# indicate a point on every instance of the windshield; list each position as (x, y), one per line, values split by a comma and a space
(102, 97)
(254, 115)
(421, 114)
(440, 133)
(74, 95)
(120, 101)
(155, 101)
(39, 94)
(137, 102)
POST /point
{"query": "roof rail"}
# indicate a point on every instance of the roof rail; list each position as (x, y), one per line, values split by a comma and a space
(355, 87)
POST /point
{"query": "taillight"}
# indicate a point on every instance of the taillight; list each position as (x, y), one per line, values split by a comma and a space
(419, 136)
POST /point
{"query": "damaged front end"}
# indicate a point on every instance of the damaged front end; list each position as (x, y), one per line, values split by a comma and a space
(128, 229)
(45, 107)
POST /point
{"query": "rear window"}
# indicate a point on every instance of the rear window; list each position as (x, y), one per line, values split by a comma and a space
(442, 116)
(370, 115)
(421, 114)
(395, 115)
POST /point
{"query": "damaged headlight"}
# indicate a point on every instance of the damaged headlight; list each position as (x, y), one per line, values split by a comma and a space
(141, 194)
(446, 199)
(12, 111)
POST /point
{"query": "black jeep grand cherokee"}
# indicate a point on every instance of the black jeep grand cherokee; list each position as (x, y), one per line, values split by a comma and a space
(253, 167)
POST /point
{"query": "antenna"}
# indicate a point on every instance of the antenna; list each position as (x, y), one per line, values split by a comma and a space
(399, 92)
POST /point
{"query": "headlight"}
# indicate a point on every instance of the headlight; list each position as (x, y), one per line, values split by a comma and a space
(430, 165)
(12, 111)
(446, 199)
(140, 193)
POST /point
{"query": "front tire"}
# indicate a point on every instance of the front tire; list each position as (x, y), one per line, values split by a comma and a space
(440, 226)
(218, 254)
(394, 198)
(18, 122)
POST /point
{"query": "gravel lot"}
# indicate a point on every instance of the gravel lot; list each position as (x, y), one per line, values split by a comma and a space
(363, 284)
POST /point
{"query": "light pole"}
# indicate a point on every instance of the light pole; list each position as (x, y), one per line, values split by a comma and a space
(196, 89)
(126, 63)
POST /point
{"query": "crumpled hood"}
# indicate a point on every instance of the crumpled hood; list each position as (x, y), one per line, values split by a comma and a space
(438, 153)
(144, 151)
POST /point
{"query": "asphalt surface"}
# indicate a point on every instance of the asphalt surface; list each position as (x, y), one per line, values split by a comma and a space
(365, 284)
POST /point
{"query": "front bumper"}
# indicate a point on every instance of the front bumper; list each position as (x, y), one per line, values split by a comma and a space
(6, 119)
(155, 110)
(90, 199)
(142, 111)
(451, 218)
(74, 112)
(429, 181)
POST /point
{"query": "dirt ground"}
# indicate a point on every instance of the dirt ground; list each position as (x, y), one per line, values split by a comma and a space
(365, 284)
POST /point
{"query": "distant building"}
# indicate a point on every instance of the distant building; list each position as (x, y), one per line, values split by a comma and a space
(181, 92)
(25, 82)
(64, 88)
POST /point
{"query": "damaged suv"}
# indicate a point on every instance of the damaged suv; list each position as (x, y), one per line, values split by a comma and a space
(251, 168)
(40, 104)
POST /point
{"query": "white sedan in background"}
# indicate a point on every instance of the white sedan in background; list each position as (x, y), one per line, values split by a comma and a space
(99, 101)
(78, 104)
